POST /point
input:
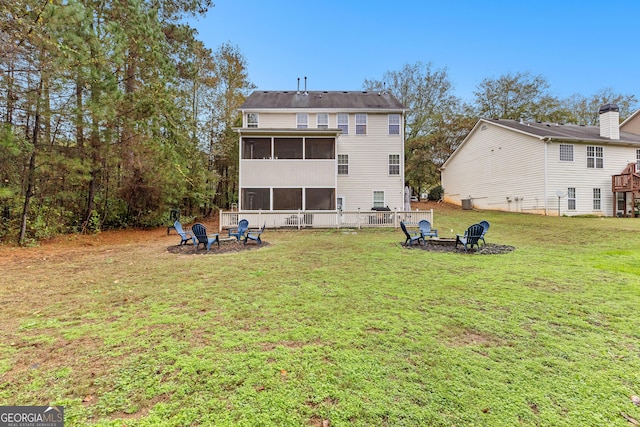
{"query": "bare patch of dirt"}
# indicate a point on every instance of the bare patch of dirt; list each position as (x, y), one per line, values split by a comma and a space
(225, 247)
(489, 249)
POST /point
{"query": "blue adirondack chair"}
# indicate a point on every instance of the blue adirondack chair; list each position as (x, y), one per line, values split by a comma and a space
(412, 236)
(426, 230)
(255, 235)
(184, 235)
(174, 216)
(470, 238)
(204, 239)
(485, 228)
(238, 232)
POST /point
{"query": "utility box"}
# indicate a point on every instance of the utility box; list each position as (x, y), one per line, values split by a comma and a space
(466, 204)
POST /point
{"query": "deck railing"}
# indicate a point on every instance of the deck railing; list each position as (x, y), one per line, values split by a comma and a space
(625, 182)
(324, 219)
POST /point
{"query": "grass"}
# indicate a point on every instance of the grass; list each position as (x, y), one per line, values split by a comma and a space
(340, 326)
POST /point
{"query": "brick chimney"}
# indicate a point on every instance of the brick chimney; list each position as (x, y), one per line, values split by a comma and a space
(610, 121)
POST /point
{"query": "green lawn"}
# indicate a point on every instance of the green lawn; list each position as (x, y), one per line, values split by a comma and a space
(338, 326)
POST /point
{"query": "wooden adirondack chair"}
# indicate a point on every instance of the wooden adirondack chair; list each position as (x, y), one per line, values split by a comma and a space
(426, 230)
(204, 239)
(412, 236)
(255, 235)
(470, 238)
(238, 232)
(184, 235)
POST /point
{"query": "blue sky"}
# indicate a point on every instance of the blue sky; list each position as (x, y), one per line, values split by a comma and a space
(578, 46)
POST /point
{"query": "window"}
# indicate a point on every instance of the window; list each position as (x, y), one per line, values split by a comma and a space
(287, 148)
(394, 124)
(566, 153)
(302, 120)
(252, 120)
(394, 164)
(621, 202)
(637, 160)
(595, 157)
(378, 199)
(256, 148)
(343, 164)
(286, 199)
(571, 198)
(322, 121)
(340, 203)
(343, 123)
(255, 198)
(597, 199)
(320, 199)
(319, 148)
(361, 124)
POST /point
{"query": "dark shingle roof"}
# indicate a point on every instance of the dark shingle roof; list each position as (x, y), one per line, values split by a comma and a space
(566, 132)
(347, 100)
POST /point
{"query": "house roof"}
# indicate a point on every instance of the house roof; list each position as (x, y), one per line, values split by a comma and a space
(318, 100)
(565, 132)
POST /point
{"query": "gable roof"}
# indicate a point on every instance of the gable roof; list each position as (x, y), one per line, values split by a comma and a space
(554, 132)
(564, 132)
(317, 100)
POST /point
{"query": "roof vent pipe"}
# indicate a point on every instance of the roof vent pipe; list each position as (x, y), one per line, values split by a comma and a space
(609, 121)
(305, 86)
(298, 92)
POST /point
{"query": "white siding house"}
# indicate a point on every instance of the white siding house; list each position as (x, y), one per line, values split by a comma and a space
(545, 168)
(321, 150)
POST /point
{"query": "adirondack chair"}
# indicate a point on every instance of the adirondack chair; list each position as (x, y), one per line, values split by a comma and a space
(485, 228)
(204, 239)
(174, 216)
(184, 235)
(470, 238)
(426, 230)
(238, 232)
(255, 235)
(412, 236)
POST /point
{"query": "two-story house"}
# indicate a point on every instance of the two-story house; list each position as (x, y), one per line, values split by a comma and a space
(321, 150)
(548, 168)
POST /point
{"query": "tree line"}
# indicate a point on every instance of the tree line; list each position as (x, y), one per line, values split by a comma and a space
(112, 113)
(438, 121)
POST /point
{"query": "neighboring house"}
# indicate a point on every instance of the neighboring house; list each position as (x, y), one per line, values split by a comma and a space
(321, 151)
(547, 168)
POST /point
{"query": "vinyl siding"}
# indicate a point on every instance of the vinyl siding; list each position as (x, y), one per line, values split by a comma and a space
(496, 164)
(288, 173)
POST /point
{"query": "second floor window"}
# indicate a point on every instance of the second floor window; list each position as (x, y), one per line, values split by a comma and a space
(343, 164)
(566, 153)
(394, 164)
(322, 121)
(252, 120)
(595, 157)
(343, 123)
(302, 120)
(394, 124)
(361, 124)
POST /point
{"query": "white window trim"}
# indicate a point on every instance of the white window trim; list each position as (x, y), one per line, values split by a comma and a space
(302, 124)
(560, 152)
(595, 156)
(394, 124)
(344, 203)
(573, 199)
(338, 124)
(597, 199)
(249, 124)
(373, 198)
(338, 164)
(389, 164)
(637, 159)
(324, 125)
(366, 123)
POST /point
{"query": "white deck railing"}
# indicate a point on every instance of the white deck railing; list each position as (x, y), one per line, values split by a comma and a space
(324, 219)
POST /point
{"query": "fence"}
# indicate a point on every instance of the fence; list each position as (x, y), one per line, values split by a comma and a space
(324, 219)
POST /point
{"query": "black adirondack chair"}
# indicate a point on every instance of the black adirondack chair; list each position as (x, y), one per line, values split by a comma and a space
(412, 236)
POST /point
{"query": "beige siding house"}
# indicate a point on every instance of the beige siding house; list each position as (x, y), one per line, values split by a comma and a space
(321, 150)
(546, 168)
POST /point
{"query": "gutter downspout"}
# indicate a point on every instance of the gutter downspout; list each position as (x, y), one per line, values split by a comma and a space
(546, 143)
